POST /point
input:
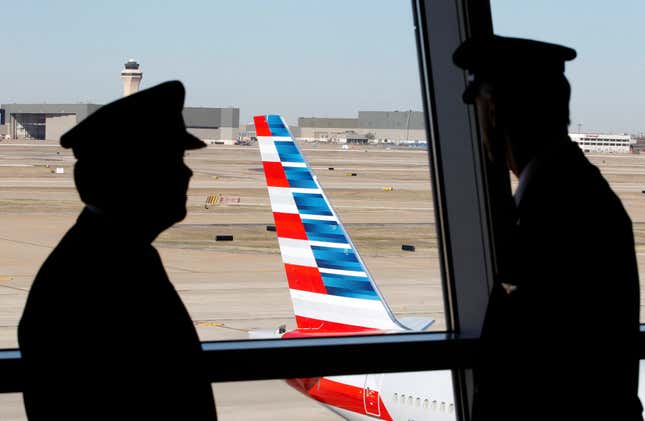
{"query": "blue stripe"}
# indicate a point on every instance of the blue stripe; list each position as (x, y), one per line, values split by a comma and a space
(324, 231)
(352, 294)
(311, 204)
(300, 177)
(288, 152)
(349, 286)
(334, 258)
(276, 126)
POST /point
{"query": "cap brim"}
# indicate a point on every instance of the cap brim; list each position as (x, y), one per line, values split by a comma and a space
(192, 142)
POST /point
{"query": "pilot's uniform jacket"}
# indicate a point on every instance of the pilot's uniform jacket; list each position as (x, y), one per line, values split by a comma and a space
(559, 339)
(103, 305)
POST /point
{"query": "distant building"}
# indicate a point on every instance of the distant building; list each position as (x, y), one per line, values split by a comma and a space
(325, 128)
(606, 143)
(212, 124)
(131, 76)
(376, 126)
(3, 127)
(44, 121)
(247, 131)
(640, 144)
(50, 121)
(353, 138)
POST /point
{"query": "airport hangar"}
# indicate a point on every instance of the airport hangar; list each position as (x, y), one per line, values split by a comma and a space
(370, 126)
(50, 121)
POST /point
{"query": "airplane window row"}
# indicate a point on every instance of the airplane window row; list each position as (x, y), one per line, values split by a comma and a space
(433, 405)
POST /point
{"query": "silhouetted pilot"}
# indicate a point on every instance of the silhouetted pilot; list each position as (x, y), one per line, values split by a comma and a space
(559, 338)
(104, 335)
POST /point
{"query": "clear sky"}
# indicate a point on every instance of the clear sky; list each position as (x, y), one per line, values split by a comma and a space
(608, 76)
(299, 58)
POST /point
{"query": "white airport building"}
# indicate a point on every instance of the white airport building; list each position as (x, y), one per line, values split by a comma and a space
(605, 143)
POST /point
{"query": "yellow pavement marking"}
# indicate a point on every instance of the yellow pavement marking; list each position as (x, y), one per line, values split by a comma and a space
(209, 324)
(216, 324)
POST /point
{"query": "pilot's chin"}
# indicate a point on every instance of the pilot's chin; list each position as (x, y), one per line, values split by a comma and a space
(180, 214)
(176, 215)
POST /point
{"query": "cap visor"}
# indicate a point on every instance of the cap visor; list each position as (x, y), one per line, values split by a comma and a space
(192, 142)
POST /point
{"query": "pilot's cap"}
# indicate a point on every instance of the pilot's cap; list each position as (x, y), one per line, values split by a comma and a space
(148, 123)
(510, 62)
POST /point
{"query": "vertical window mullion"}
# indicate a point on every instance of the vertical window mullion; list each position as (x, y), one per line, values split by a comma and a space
(457, 173)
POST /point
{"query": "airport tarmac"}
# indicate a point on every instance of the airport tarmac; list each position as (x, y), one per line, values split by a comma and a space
(231, 288)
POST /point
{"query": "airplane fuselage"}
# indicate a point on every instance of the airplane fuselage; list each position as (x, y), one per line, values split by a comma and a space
(392, 396)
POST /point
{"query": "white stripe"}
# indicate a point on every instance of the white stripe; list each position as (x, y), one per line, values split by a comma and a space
(347, 414)
(276, 138)
(357, 380)
(303, 190)
(342, 272)
(332, 245)
(282, 200)
(294, 164)
(296, 252)
(318, 217)
(345, 310)
(268, 151)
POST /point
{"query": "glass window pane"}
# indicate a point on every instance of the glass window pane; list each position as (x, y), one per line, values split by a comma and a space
(602, 109)
(11, 408)
(350, 97)
(264, 400)
(422, 395)
(641, 382)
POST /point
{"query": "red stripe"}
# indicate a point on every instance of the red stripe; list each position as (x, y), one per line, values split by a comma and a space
(327, 326)
(314, 333)
(303, 384)
(289, 225)
(341, 395)
(261, 126)
(275, 175)
(304, 278)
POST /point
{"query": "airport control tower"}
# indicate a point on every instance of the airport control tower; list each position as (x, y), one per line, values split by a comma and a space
(131, 76)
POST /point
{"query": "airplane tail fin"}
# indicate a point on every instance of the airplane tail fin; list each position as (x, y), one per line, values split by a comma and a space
(331, 289)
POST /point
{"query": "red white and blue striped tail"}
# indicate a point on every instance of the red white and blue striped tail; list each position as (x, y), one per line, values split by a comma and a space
(331, 289)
